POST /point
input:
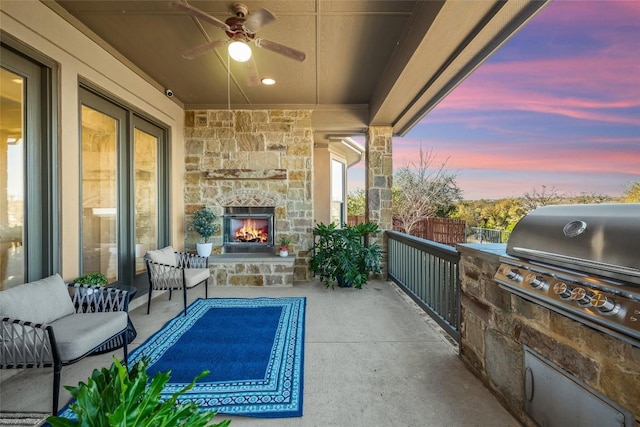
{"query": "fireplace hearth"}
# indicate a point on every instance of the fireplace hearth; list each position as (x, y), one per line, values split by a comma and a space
(248, 229)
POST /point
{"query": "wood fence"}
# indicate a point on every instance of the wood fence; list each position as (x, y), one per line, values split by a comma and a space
(442, 230)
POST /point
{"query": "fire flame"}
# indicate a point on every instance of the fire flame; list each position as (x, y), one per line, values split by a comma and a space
(249, 232)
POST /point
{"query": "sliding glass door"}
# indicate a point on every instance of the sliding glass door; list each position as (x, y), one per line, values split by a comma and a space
(121, 182)
(27, 185)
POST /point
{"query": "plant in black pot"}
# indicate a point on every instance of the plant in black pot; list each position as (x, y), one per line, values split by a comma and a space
(341, 255)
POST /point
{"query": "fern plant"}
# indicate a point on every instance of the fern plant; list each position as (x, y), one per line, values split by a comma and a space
(115, 397)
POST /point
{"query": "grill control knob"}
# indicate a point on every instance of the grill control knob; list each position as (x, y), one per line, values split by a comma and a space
(536, 282)
(604, 303)
(562, 290)
(512, 273)
(581, 296)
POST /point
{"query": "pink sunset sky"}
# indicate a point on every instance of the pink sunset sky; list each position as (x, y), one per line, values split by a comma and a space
(558, 106)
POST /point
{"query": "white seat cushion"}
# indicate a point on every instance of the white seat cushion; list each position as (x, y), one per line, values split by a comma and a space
(78, 334)
(193, 276)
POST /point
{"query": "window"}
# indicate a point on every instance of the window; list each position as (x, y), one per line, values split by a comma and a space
(338, 171)
(28, 200)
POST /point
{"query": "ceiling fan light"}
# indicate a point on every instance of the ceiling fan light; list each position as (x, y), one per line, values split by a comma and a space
(239, 51)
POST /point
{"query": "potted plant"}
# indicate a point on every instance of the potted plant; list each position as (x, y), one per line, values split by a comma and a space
(96, 279)
(340, 254)
(284, 246)
(204, 223)
(116, 396)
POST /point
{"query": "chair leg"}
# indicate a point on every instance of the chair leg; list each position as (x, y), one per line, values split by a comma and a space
(184, 292)
(170, 290)
(206, 289)
(149, 301)
(125, 338)
(56, 388)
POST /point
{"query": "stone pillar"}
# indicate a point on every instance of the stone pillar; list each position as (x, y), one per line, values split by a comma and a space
(378, 182)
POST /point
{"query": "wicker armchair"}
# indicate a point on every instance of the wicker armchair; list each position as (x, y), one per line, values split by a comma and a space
(172, 271)
(44, 326)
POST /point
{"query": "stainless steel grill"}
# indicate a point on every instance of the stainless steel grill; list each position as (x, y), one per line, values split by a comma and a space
(582, 261)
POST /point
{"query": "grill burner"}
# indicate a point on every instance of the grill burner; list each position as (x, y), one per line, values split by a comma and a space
(582, 261)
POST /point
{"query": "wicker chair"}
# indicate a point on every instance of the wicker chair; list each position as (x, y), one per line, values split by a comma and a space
(44, 326)
(172, 271)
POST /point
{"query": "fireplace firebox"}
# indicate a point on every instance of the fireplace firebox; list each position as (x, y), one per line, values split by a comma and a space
(248, 229)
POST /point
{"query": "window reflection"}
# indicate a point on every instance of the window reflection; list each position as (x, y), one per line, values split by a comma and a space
(12, 181)
(146, 199)
(99, 194)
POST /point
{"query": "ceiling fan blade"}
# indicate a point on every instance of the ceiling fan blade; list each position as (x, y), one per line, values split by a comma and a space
(258, 19)
(200, 14)
(194, 52)
(281, 49)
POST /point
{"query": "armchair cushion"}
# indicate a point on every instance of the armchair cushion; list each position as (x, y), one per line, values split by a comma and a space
(165, 256)
(41, 301)
(193, 276)
(78, 334)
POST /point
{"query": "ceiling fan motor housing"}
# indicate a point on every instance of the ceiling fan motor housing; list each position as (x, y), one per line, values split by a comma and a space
(237, 31)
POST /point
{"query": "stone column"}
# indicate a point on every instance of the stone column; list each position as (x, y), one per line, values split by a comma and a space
(378, 182)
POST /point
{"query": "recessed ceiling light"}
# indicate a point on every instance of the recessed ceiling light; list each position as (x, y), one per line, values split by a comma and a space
(267, 81)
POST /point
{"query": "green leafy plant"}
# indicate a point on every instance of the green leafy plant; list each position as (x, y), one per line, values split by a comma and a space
(115, 397)
(340, 254)
(284, 243)
(92, 279)
(204, 223)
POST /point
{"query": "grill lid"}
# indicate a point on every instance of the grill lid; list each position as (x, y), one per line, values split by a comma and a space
(602, 239)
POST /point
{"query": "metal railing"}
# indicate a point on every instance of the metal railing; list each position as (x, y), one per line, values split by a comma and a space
(428, 272)
(486, 235)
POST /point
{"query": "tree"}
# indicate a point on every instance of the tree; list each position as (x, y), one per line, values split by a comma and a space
(356, 202)
(544, 197)
(632, 193)
(420, 191)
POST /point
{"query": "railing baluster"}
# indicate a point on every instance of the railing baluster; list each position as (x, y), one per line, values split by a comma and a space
(428, 272)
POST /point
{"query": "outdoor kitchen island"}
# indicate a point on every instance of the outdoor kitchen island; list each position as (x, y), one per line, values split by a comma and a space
(251, 269)
(504, 337)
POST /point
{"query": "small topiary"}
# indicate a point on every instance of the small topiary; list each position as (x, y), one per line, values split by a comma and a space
(204, 223)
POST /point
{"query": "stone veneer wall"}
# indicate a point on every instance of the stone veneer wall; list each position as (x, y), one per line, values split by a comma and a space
(379, 164)
(252, 158)
(496, 324)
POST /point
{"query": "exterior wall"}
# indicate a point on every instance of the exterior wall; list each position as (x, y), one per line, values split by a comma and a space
(252, 158)
(33, 24)
(496, 324)
(321, 185)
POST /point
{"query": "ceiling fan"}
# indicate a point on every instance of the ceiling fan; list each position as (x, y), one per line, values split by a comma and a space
(239, 28)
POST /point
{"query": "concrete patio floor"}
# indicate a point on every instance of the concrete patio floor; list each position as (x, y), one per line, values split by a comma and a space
(372, 358)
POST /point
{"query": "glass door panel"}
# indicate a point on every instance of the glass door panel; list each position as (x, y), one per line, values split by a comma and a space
(12, 179)
(146, 195)
(99, 193)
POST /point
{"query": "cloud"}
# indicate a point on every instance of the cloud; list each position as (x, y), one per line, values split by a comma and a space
(557, 105)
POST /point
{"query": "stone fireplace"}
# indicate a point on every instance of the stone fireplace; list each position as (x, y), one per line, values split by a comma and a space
(257, 164)
(248, 229)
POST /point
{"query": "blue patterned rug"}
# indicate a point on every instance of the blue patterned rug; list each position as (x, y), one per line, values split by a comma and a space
(254, 349)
